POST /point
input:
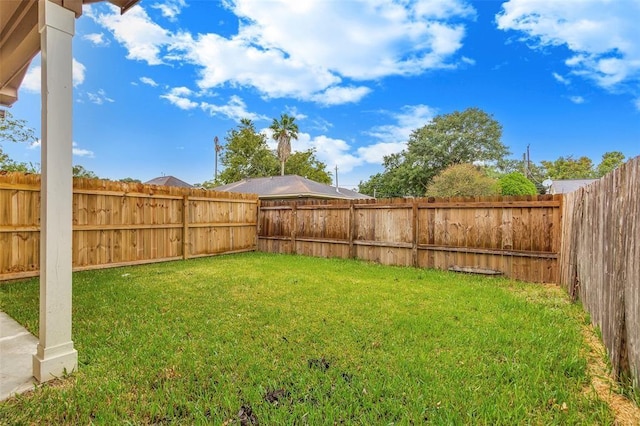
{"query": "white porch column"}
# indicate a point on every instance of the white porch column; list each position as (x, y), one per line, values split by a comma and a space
(55, 353)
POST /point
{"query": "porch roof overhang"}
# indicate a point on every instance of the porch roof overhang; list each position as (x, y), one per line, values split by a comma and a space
(20, 39)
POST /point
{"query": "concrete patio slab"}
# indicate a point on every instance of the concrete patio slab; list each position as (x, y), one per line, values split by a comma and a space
(17, 347)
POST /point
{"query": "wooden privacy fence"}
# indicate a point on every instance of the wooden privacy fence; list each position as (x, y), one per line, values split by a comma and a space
(516, 236)
(600, 261)
(117, 224)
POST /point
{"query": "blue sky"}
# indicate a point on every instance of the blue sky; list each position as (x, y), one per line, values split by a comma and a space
(154, 86)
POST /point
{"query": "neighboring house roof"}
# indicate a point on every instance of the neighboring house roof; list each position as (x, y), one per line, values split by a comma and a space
(289, 186)
(168, 181)
(569, 185)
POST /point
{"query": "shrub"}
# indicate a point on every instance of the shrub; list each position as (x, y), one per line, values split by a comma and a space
(516, 184)
(463, 180)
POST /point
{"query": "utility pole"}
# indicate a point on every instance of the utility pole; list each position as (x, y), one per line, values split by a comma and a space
(336, 177)
(528, 163)
(217, 149)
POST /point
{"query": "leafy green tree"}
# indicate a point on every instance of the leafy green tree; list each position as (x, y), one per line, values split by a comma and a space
(380, 185)
(610, 161)
(390, 183)
(305, 164)
(516, 183)
(569, 168)
(130, 180)
(81, 172)
(462, 180)
(284, 130)
(17, 131)
(246, 155)
(9, 165)
(456, 138)
(532, 171)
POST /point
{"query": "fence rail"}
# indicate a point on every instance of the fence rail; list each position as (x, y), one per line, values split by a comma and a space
(516, 236)
(116, 224)
(600, 261)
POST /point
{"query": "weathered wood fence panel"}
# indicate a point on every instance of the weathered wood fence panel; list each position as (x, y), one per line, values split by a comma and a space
(600, 261)
(122, 224)
(517, 236)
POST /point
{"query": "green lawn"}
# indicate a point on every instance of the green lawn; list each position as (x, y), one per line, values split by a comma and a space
(249, 338)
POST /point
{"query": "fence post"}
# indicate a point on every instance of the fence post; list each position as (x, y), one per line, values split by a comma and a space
(294, 226)
(352, 229)
(258, 226)
(414, 243)
(185, 227)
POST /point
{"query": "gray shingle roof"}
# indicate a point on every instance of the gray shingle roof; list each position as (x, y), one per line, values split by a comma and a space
(569, 185)
(168, 181)
(289, 186)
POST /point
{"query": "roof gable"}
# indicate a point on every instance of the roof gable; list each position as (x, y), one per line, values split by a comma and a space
(289, 186)
(168, 181)
(569, 185)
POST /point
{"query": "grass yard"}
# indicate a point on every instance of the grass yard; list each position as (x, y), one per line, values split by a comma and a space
(277, 339)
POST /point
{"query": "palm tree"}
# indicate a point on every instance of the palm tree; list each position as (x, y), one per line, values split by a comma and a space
(283, 131)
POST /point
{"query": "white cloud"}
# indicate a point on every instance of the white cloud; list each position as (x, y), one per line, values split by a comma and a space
(577, 99)
(293, 111)
(561, 79)
(149, 81)
(601, 34)
(410, 118)
(170, 8)
(31, 82)
(320, 124)
(32, 79)
(234, 110)
(80, 152)
(357, 39)
(79, 71)
(143, 38)
(99, 98)
(178, 97)
(341, 95)
(270, 71)
(468, 61)
(375, 153)
(98, 39)
(322, 53)
(392, 138)
(333, 152)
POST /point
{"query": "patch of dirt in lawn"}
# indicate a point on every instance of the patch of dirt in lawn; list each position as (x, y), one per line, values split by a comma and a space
(275, 396)
(246, 417)
(321, 364)
(626, 411)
